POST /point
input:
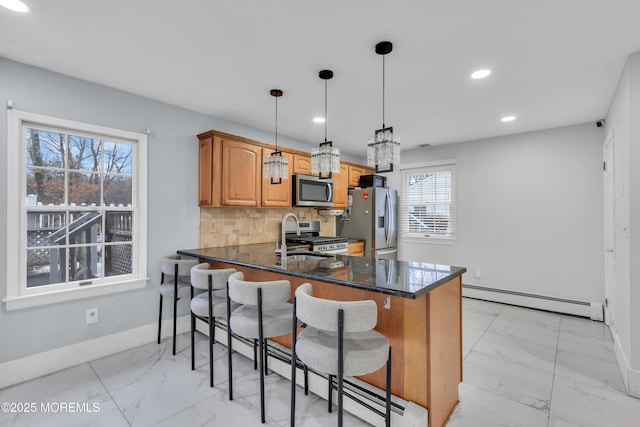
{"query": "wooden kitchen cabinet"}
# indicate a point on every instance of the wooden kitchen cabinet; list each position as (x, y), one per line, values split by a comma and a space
(356, 248)
(230, 173)
(277, 195)
(241, 173)
(341, 187)
(301, 164)
(205, 173)
(355, 172)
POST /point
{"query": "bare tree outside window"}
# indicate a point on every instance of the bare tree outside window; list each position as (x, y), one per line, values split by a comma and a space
(79, 198)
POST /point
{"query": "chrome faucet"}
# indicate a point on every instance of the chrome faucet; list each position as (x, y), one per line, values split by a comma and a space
(283, 245)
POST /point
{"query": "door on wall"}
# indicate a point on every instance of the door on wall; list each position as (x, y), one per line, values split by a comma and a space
(609, 227)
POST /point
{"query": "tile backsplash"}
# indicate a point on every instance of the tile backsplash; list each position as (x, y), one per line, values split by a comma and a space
(244, 226)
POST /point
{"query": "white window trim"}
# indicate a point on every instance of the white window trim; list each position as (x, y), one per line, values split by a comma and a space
(438, 240)
(16, 222)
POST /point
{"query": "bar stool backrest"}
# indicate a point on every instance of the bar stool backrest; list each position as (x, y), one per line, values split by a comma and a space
(184, 266)
(200, 276)
(359, 316)
(243, 292)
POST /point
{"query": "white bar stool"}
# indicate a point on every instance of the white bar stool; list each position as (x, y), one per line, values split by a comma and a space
(175, 282)
(209, 305)
(338, 340)
(264, 313)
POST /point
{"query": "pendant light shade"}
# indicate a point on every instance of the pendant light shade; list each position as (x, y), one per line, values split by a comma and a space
(275, 166)
(383, 150)
(325, 160)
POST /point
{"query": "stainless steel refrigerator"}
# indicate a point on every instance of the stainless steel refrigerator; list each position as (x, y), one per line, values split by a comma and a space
(373, 216)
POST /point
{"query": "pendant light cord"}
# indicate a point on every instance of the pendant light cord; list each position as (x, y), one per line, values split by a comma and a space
(325, 111)
(383, 91)
(276, 123)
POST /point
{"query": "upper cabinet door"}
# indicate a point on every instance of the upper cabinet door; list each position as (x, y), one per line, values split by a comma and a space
(277, 195)
(301, 164)
(205, 173)
(340, 187)
(241, 173)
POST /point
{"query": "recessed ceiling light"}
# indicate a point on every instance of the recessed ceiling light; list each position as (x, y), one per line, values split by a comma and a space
(15, 5)
(318, 119)
(480, 74)
(508, 118)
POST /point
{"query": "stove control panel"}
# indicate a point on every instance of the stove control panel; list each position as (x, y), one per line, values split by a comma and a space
(325, 247)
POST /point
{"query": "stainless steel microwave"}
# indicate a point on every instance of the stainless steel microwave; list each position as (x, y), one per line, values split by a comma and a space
(311, 191)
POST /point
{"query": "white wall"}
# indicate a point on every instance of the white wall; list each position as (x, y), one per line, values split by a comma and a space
(529, 212)
(622, 123)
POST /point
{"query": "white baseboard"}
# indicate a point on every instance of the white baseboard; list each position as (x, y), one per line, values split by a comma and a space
(631, 377)
(45, 363)
(592, 310)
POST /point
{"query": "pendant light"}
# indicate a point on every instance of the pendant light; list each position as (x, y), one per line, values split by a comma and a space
(275, 166)
(383, 150)
(325, 160)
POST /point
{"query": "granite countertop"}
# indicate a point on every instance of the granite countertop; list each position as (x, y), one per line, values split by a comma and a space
(400, 278)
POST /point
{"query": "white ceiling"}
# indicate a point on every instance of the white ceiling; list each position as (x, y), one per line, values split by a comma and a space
(554, 62)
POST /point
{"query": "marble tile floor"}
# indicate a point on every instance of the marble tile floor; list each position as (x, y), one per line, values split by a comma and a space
(532, 368)
(521, 367)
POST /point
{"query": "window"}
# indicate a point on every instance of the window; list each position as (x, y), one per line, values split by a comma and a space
(76, 223)
(428, 207)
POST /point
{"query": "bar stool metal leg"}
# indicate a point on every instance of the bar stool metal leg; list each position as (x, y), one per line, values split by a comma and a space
(160, 311)
(255, 355)
(388, 396)
(193, 350)
(330, 396)
(229, 349)
(262, 350)
(266, 358)
(175, 307)
(212, 331)
(160, 319)
(340, 364)
(293, 366)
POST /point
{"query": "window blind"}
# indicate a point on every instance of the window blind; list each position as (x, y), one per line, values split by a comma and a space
(428, 202)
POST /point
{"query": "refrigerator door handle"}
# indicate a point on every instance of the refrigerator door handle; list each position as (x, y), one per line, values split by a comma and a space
(386, 251)
(387, 219)
(394, 231)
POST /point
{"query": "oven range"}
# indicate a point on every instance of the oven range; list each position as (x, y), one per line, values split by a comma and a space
(310, 235)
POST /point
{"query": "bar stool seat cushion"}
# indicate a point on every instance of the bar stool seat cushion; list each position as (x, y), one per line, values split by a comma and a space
(364, 352)
(200, 304)
(276, 319)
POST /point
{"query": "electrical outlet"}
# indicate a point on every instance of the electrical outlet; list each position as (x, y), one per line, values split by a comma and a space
(92, 316)
(387, 303)
(478, 273)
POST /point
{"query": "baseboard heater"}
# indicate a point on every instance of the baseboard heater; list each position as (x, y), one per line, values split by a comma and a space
(592, 310)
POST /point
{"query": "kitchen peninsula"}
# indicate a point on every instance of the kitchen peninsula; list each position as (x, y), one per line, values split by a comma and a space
(419, 311)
